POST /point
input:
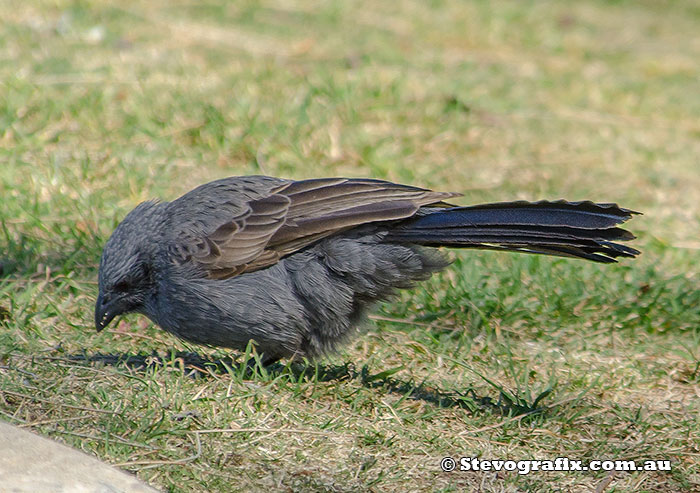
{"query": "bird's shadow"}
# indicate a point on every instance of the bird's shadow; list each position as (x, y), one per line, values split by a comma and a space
(195, 365)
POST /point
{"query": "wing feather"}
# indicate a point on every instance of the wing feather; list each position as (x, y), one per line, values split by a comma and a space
(247, 223)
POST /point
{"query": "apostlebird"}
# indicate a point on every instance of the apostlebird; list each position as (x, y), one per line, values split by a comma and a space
(294, 265)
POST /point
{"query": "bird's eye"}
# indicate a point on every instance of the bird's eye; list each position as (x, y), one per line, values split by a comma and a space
(121, 286)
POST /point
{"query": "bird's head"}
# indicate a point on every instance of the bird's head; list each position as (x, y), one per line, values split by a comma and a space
(126, 275)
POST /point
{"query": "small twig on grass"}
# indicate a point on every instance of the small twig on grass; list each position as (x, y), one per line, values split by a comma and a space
(101, 439)
(405, 321)
(12, 368)
(270, 430)
(10, 416)
(69, 406)
(153, 463)
(29, 424)
(135, 335)
(498, 425)
(602, 486)
(564, 401)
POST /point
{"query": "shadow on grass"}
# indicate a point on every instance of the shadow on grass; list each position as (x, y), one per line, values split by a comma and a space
(195, 365)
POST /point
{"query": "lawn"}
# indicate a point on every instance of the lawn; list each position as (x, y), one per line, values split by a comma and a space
(503, 356)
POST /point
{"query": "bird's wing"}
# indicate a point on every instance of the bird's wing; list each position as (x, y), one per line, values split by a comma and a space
(231, 229)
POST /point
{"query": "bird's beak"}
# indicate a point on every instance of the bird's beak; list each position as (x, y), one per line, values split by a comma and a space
(105, 311)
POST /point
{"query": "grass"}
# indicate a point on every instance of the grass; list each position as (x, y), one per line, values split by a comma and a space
(502, 356)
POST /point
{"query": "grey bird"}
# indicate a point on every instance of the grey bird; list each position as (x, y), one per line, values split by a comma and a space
(294, 265)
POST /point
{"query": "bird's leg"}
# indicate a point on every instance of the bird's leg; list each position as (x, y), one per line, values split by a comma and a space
(268, 359)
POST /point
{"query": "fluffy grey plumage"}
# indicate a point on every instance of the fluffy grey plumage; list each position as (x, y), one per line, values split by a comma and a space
(293, 265)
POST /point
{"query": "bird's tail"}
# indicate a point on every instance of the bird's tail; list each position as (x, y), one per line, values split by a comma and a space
(570, 229)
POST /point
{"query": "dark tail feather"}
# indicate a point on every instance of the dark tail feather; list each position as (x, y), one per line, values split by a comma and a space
(570, 229)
